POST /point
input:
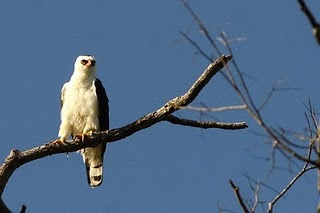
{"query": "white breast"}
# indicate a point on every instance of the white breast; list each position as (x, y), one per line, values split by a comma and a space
(79, 113)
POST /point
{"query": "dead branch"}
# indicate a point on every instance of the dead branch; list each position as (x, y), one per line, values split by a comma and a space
(275, 88)
(23, 209)
(239, 85)
(256, 191)
(3, 207)
(239, 197)
(18, 158)
(242, 90)
(201, 26)
(256, 198)
(315, 25)
(205, 124)
(217, 109)
(305, 169)
(198, 48)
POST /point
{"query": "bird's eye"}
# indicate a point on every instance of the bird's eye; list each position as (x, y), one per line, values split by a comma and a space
(93, 63)
(84, 62)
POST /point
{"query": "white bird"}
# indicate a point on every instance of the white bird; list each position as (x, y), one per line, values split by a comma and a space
(84, 108)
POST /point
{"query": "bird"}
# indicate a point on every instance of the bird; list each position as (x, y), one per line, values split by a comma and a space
(85, 109)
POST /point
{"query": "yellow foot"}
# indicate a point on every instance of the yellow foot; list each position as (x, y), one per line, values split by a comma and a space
(82, 137)
(89, 133)
(58, 141)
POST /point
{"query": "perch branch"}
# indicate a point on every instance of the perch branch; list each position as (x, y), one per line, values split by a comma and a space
(18, 158)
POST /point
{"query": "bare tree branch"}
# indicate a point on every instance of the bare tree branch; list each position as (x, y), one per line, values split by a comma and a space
(201, 26)
(18, 158)
(256, 198)
(315, 25)
(205, 124)
(23, 209)
(217, 109)
(239, 85)
(305, 169)
(3, 207)
(254, 112)
(274, 89)
(250, 179)
(238, 195)
(193, 43)
(253, 205)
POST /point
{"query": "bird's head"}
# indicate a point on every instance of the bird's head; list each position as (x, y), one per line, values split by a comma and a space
(85, 65)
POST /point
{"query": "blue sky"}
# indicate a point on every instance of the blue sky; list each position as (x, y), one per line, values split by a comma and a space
(143, 62)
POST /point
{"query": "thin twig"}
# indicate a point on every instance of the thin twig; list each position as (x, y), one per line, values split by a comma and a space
(244, 94)
(205, 124)
(271, 204)
(312, 113)
(201, 26)
(274, 89)
(304, 169)
(283, 137)
(239, 197)
(217, 109)
(23, 209)
(315, 25)
(3, 207)
(261, 183)
(193, 43)
(256, 198)
(255, 113)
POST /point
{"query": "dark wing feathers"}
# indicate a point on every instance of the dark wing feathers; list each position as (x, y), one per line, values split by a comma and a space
(103, 104)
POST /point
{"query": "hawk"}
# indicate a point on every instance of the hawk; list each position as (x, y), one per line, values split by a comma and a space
(84, 108)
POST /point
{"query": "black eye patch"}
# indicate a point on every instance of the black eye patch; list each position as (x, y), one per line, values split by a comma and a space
(93, 63)
(84, 62)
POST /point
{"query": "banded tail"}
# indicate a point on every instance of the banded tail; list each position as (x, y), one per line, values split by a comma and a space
(93, 159)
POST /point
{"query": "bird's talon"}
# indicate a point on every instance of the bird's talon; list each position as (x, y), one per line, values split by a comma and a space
(79, 137)
(89, 133)
(58, 141)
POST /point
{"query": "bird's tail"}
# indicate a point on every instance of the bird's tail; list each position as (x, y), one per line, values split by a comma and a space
(94, 175)
(93, 159)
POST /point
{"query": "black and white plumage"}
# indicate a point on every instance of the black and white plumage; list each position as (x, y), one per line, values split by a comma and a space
(84, 108)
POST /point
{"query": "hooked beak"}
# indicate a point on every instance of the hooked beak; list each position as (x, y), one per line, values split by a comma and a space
(90, 63)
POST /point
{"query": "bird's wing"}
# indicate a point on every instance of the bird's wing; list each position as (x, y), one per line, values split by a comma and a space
(94, 165)
(62, 94)
(103, 105)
